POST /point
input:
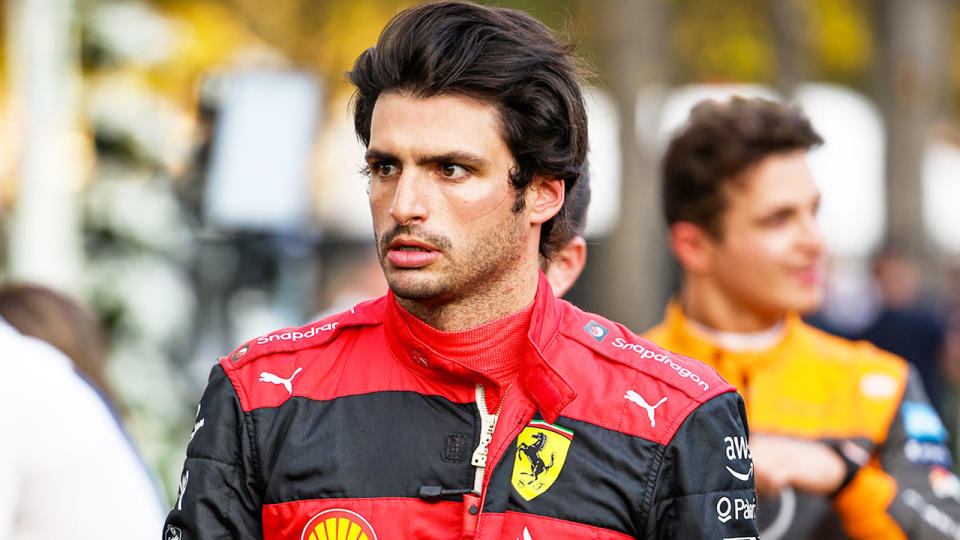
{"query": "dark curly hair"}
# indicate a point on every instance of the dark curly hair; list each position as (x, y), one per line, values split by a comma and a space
(720, 141)
(498, 56)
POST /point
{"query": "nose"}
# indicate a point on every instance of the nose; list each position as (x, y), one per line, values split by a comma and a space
(409, 200)
(811, 236)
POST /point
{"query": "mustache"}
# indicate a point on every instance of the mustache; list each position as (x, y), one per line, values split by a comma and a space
(436, 240)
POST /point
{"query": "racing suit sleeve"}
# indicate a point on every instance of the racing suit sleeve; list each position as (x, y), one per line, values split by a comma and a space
(705, 486)
(219, 496)
(907, 490)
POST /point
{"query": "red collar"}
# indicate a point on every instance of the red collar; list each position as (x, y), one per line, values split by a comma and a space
(537, 377)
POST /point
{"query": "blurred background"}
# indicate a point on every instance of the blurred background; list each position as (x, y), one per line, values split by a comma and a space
(188, 171)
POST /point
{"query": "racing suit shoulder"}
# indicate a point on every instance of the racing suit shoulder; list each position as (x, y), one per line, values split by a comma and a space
(279, 357)
(629, 383)
(293, 339)
(615, 342)
(876, 377)
(856, 354)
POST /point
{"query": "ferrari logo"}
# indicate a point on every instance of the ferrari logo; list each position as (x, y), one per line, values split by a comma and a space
(541, 451)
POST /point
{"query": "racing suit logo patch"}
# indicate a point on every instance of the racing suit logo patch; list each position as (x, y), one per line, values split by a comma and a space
(337, 524)
(541, 451)
(596, 331)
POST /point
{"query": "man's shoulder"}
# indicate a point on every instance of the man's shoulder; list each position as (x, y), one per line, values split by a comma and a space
(262, 350)
(628, 352)
(850, 354)
(627, 383)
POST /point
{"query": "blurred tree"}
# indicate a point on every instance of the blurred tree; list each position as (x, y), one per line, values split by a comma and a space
(789, 20)
(721, 41)
(839, 41)
(630, 267)
(909, 84)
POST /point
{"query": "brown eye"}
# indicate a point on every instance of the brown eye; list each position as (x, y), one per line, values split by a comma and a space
(452, 171)
(384, 169)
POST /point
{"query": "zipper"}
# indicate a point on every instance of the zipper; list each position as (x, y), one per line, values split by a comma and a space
(488, 421)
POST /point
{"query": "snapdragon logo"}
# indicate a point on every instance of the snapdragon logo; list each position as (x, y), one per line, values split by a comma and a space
(294, 336)
(647, 354)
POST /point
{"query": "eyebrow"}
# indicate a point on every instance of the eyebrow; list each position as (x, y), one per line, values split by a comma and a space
(377, 155)
(455, 156)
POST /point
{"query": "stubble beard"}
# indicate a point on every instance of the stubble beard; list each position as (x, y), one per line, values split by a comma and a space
(476, 270)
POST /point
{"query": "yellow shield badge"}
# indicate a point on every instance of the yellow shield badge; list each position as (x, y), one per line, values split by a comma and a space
(541, 451)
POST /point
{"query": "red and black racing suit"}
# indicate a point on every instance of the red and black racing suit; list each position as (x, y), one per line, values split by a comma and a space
(352, 428)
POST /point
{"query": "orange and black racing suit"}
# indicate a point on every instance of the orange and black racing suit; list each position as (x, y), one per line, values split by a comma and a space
(867, 404)
(352, 428)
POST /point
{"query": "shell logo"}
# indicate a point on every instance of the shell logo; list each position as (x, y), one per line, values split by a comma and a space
(338, 524)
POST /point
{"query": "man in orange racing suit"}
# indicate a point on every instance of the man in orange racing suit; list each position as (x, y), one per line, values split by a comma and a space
(844, 441)
(468, 402)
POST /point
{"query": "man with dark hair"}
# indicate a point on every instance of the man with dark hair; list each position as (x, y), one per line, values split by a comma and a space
(844, 441)
(468, 402)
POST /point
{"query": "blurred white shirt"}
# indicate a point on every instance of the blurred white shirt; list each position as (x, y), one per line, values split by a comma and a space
(67, 469)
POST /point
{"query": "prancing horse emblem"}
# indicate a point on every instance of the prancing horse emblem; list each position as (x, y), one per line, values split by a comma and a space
(541, 452)
(537, 465)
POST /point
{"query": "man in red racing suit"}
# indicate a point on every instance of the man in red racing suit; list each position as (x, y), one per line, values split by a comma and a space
(355, 417)
(468, 402)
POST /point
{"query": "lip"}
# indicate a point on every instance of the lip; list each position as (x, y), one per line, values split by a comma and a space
(808, 276)
(400, 242)
(420, 258)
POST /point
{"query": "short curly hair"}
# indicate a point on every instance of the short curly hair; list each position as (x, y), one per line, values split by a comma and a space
(500, 56)
(720, 141)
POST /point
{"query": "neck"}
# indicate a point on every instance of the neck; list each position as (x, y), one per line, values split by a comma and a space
(708, 305)
(480, 304)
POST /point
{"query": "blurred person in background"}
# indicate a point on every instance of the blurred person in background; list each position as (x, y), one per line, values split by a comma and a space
(844, 441)
(67, 468)
(41, 313)
(468, 402)
(566, 265)
(904, 325)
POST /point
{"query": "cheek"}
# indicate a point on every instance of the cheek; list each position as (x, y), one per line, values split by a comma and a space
(380, 201)
(481, 203)
(766, 248)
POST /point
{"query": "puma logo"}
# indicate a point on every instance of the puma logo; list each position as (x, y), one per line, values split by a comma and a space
(183, 489)
(638, 399)
(526, 534)
(198, 424)
(266, 376)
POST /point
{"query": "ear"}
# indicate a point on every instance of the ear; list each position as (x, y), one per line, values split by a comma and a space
(544, 198)
(692, 247)
(566, 266)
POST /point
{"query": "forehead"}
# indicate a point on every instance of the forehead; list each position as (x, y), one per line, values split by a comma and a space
(436, 124)
(776, 181)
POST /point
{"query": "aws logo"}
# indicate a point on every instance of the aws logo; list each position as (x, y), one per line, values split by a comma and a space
(337, 524)
(541, 452)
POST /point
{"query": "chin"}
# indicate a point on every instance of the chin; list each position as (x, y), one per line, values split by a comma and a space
(415, 289)
(807, 303)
